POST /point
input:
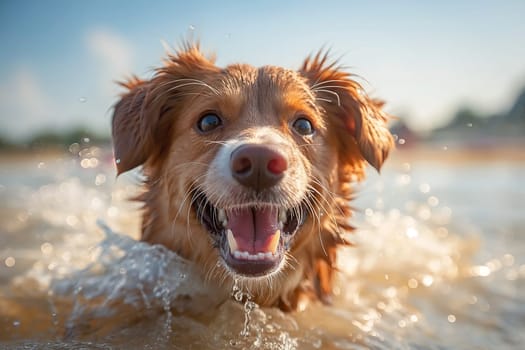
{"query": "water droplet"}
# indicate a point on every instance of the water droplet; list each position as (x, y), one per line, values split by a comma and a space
(413, 283)
(494, 264)
(71, 220)
(433, 201)
(100, 179)
(82, 99)
(10, 261)
(238, 296)
(16, 323)
(414, 318)
(445, 148)
(480, 271)
(427, 280)
(424, 188)
(74, 148)
(451, 318)
(411, 232)
(401, 141)
(46, 248)
(424, 213)
(117, 161)
(84, 163)
(402, 323)
(112, 212)
(469, 125)
(93, 162)
(403, 180)
(191, 27)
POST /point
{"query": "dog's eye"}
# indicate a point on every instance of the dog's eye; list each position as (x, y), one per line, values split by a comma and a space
(303, 127)
(209, 122)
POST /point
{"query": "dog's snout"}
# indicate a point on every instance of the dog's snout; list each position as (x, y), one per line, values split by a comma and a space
(257, 166)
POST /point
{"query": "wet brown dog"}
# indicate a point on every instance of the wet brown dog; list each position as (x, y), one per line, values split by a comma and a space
(249, 170)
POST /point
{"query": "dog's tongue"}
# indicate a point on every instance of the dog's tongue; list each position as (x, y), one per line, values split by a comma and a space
(254, 229)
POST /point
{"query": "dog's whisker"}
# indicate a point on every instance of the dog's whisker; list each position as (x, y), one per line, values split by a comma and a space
(323, 99)
(332, 93)
(326, 210)
(236, 212)
(202, 83)
(211, 142)
(330, 81)
(187, 82)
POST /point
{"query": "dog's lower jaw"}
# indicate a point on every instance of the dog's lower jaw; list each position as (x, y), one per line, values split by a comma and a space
(306, 275)
(291, 288)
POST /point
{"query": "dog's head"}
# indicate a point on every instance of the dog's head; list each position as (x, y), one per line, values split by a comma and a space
(248, 164)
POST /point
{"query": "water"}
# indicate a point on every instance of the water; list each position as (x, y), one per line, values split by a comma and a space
(438, 263)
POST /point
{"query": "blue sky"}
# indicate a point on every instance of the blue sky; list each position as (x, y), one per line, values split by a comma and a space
(59, 59)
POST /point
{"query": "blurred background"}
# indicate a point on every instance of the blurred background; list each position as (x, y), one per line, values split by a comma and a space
(440, 260)
(448, 70)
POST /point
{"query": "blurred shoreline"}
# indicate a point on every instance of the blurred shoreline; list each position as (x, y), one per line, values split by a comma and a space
(501, 153)
(509, 153)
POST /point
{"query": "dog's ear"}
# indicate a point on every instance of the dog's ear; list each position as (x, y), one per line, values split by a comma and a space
(143, 118)
(130, 127)
(349, 110)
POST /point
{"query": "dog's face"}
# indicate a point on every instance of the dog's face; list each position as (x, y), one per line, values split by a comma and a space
(249, 164)
(258, 136)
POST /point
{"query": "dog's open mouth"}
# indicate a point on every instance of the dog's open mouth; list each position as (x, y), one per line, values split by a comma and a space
(253, 239)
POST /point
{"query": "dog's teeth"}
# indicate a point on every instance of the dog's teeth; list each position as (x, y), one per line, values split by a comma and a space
(282, 216)
(222, 217)
(232, 243)
(274, 242)
(253, 257)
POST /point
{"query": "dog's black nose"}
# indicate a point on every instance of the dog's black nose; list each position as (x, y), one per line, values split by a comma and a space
(257, 166)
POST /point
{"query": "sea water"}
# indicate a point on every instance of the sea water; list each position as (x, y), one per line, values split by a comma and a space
(438, 262)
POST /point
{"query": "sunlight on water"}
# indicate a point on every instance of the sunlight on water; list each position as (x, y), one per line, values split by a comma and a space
(428, 269)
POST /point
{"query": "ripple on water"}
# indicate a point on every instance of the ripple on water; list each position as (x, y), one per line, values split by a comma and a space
(410, 282)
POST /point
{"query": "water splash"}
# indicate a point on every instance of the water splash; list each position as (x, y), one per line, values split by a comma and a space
(411, 281)
(126, 275)
(246, 298)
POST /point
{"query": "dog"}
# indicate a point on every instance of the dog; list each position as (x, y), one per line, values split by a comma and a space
(249, 171)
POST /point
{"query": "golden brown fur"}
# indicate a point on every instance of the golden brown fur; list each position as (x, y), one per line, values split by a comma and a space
(154, 126)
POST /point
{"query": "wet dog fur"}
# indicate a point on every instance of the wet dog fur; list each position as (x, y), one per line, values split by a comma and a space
(316, 123)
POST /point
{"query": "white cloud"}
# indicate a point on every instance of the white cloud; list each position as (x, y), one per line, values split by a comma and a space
(24, 103)
(113, 51)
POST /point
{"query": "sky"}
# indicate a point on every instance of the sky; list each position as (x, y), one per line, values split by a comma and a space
(60, 59)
